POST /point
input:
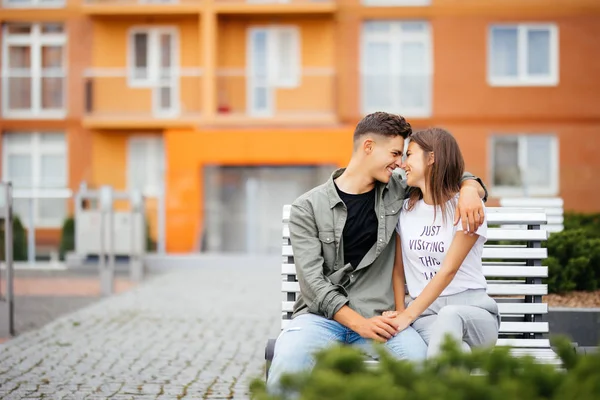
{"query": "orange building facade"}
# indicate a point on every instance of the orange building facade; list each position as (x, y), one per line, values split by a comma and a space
(232, 108)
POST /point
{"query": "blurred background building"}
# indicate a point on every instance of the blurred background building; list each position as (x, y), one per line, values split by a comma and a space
(232, 108)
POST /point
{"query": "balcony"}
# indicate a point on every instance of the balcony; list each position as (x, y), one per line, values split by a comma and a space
(116, 98)
(275, 6)
(141, 7)
(243, 99)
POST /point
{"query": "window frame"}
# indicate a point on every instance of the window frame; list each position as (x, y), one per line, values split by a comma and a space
(36, 148)
(35, 4)
(152, 81)
(153, 33)
(35, 40)
(553, 187)
(149, 141)
(274, 80)
(523, 78)
(395, 38)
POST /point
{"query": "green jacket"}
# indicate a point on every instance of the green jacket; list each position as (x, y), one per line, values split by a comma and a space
(317, 220)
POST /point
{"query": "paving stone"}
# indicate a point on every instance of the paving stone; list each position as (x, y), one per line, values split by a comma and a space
(200, 332)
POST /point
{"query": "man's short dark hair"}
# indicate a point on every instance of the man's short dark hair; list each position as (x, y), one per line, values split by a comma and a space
(384, 124)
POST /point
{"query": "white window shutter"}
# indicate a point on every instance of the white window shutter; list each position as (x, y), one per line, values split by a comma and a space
(285, 54)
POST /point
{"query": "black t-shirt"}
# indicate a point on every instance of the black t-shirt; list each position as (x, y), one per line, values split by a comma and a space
(360, 231)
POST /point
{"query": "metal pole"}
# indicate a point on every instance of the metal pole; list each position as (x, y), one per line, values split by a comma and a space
(136, 272)
(31, 233)
(8, 255)
(7, 304)
(161, 210)
(106, 226)
(111, 246)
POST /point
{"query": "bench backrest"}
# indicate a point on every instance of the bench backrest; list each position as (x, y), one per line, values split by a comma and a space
(512, 264)
(552, 206)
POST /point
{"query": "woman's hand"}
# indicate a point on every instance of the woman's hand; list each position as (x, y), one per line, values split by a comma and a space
(402, 321)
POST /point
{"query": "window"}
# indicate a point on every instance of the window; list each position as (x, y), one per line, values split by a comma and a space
(145, 165)
(525, 165)
(396, 67)
(523, 55)
(33, 3)
(33, 70)
(37, 161)
(273, 62)
(154, 63)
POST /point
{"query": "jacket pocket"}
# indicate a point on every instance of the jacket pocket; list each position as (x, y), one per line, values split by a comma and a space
(328, 248)
(394, 207)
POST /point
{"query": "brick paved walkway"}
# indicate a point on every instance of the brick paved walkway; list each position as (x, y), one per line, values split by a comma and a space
(188, 334)
(41, 296)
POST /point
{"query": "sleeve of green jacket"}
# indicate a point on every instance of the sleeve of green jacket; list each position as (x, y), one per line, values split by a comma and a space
(468, 175)
(320, 295)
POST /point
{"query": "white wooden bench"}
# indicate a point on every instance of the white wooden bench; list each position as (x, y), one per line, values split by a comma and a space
(553, 206)
(512, 263)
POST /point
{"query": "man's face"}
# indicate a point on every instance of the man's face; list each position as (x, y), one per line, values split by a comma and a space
(385, 156)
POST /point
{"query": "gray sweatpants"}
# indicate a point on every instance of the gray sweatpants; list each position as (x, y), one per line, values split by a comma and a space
(470, 317)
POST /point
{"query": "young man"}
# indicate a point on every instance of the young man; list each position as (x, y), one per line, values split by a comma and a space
(343, 236)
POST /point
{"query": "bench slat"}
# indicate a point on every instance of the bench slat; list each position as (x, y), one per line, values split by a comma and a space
(524, 327)
(493, 234)
(500, 271)
(488, 252)
(490, 271)
(527, 343)
(504, 308)
(495, 215)
(505, 327)
(516, 289)
(493, 289)
(522, 308)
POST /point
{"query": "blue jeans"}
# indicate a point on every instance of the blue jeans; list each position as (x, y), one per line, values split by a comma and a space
(309, 333)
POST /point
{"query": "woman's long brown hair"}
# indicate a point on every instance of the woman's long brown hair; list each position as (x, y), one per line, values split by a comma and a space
(444, 175)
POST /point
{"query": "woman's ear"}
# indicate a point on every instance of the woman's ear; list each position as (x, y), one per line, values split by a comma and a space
(431, 158)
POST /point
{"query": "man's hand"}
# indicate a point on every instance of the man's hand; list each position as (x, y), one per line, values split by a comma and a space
(378, 328)
(469, 209)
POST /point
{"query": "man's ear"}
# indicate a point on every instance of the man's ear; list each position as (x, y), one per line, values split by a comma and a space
(431, 158)
(368, 145)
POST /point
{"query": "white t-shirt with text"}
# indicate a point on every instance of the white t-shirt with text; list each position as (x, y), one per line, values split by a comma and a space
(425, 243)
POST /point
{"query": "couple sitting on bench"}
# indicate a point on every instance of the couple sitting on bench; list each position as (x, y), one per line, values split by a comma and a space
(359, 238)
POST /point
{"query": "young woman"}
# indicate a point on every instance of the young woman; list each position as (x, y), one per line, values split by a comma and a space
(438, 261)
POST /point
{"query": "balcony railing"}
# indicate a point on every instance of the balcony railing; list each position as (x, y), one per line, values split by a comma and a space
(274, 1)
(141, 2)
(115, 96)
(276, 6)
(141, 7)
(308, 97)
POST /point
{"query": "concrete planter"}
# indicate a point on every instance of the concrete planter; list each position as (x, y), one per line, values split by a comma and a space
(582, 325)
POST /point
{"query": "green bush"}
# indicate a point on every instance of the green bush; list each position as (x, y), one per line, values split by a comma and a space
(67, 237)
(589, 222)
(341, 374)
(19, 240)
(574, 254)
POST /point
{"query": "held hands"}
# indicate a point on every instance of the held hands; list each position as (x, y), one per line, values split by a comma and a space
(378, 328)
(400, 320)
(469, 210)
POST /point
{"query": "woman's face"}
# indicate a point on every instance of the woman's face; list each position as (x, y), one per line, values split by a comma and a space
(415, 165)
